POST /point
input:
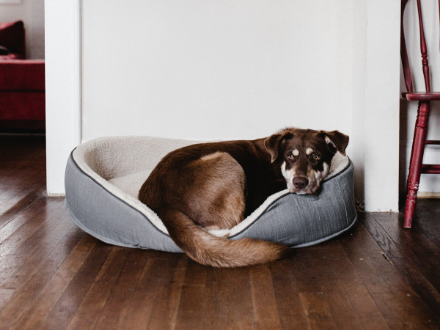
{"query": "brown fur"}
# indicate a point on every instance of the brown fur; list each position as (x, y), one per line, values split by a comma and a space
(216, 185)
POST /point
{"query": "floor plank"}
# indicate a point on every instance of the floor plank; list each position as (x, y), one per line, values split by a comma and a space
(263, 297)
(54, 276)
(113, 314)
(96, 298)
(154, 282)
(72, 295)
(334, 270)
(191, 310)
(288, 301)
(61, 261)
(165, 312)
(239, 298)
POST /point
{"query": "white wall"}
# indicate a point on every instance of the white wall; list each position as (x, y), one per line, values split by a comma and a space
(430, 183)
(381, 117)
(240, 69)
(215, 69)
(63, 97)
(31, 12)
(358, 114)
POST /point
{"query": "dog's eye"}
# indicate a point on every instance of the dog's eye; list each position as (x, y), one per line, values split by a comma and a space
(316, 157)
(290, 155)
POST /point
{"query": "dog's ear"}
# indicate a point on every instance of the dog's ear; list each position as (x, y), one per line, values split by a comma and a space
(274, 143)
(335, 140)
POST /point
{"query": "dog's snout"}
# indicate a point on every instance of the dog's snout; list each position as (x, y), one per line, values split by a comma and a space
(300, 182)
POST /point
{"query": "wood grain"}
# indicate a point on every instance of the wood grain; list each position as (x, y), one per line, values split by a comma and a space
(55, 276)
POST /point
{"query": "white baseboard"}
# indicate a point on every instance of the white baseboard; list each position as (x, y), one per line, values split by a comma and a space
(433, 194)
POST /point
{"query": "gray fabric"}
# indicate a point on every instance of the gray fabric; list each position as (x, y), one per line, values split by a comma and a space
(302, 220)
(296, 220)
(108, 218)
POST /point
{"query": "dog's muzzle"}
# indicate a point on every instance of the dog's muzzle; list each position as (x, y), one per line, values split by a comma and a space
(303, 185)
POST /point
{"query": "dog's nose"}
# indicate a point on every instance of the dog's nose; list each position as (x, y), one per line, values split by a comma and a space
(300, 182)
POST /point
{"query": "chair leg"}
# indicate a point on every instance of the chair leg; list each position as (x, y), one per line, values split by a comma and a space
(415, 166)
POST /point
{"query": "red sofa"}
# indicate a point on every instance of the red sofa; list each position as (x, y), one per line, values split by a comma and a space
(22, 82)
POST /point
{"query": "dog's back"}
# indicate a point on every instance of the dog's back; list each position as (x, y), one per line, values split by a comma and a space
(204, 187)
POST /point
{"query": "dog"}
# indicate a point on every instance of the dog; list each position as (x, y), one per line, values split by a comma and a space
(213, 186)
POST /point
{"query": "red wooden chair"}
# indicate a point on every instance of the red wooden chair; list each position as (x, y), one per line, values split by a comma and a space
(417, 167)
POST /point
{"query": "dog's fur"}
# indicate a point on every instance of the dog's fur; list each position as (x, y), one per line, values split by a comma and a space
(216, 185)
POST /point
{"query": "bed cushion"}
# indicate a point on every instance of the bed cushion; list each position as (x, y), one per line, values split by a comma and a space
(103, 177)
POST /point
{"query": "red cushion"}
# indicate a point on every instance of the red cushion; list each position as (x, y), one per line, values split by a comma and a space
(22, 75)
(22, 105)
(12, 37)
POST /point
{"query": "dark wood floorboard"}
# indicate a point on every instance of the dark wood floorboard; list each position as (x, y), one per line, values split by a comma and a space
(55, 276)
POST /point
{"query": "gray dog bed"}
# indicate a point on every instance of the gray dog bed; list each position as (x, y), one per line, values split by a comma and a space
(103, 177)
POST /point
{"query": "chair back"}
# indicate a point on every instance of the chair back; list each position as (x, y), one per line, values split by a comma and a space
(423, 50)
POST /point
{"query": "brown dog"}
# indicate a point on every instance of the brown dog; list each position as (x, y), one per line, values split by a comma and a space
(216, 185)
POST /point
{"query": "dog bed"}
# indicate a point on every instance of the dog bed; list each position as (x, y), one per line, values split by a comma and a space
(103, 177)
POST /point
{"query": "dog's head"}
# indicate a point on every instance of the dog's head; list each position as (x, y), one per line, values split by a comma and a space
(304, 156)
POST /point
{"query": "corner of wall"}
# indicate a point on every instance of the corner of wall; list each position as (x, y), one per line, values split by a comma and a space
(63, 88)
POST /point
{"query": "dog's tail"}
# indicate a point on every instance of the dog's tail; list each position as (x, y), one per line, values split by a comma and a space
(207, 249)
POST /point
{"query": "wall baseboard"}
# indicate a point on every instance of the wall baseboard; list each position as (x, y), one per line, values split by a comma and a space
(433, 194)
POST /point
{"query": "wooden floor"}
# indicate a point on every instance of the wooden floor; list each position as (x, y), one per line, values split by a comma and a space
(54, 276)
